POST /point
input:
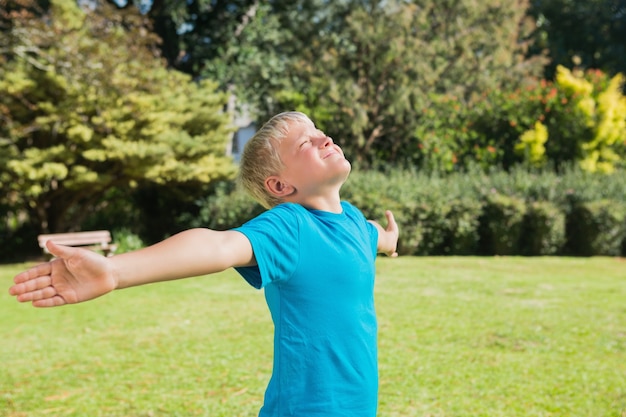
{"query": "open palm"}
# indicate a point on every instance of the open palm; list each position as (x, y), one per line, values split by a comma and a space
(75, 275)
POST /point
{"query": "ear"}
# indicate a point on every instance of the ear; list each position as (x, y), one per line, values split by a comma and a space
(278, 187)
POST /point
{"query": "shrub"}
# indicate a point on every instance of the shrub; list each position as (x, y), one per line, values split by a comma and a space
(544, 229)
(126, 240)
(501, 225)
(374, 192)
(433, 218)
(411, 222)
(401, 191)
(229, 207)
(461, 232)
(597, 228)
(578, 186)
(580, 118)
(519, 212)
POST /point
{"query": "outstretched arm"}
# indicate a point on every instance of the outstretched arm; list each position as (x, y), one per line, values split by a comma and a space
(388, 238)
(77, 275)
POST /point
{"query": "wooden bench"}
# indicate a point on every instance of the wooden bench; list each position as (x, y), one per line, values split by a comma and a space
(94, 240)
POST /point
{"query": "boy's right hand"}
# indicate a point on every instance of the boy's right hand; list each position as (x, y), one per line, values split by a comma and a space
(75, 275)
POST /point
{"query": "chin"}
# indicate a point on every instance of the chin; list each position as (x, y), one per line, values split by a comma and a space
(347, 169)
(347, 166)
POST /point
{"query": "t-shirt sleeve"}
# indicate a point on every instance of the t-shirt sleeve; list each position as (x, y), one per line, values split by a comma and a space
(274, 236)
(359, 218)
(373, 234)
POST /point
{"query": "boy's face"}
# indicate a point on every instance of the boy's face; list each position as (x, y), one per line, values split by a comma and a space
(313, 164)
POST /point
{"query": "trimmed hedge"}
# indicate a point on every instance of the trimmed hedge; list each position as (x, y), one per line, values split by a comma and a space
(498, 213)
(461, 234)
(597, 228)
(501, 225)
(544, 229)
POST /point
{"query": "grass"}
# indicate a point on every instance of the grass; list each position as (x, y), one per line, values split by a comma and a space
(458, 337)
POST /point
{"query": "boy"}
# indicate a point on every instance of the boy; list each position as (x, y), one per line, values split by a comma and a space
(312, 253)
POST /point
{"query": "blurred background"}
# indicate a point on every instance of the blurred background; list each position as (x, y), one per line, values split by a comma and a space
(490, 127)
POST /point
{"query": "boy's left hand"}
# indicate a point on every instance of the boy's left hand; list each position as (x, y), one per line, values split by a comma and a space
(388, 237)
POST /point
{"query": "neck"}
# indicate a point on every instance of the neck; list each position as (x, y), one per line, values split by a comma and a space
(332, 206)
(330, 202)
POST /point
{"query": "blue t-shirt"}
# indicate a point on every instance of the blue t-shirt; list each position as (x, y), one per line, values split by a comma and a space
(317, 269)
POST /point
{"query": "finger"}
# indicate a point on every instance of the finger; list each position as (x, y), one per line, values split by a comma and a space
(392, 227)
(60, 251)
(42, 294)
(391, 221)
(55, 301)
(34, 272)
(31, 285)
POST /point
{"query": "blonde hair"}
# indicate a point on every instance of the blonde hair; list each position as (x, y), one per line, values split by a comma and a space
(260, 158)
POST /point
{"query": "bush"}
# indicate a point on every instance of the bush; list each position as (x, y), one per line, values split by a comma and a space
(461, 234)
(446, 215)
(229, 207)
(519, 212)
(544, 229)
(501, 225)
(374, 192)
(411, 221)
(126, 240)
(597, 228)
(18, 243)
(432, 217)
(577, 118)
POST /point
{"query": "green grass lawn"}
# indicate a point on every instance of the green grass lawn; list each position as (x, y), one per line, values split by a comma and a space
(458, 337)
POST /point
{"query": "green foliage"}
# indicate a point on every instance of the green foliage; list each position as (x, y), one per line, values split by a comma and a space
(531, 144)
(424, 220)
(597, 228)
(89, 107)
(450, 137)
(502, 224)
(89, 111)
(126, 240)
(420, 208)
(462, 233)
(601, 106)
(520, 212)
(227, 208)
(578, 118)
(442, 225)
(544, 229)
(589, 34)
(404, 81)
(17, 238)
(367, 81)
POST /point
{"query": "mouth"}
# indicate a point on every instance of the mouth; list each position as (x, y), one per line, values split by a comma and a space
(331, 153)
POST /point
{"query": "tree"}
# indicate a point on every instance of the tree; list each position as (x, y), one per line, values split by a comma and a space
(88, 106)
(586, 34)
(364, 69)
(369, 76)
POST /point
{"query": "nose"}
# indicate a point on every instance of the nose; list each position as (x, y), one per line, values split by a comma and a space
(327, 142)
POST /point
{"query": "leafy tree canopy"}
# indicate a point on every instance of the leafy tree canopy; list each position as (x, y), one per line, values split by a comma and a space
(369, 80)
(364, 69)
(587, 34)
(87, 105)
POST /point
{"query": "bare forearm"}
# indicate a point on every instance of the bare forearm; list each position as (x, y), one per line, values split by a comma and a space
(191, 253)
(77, 275)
